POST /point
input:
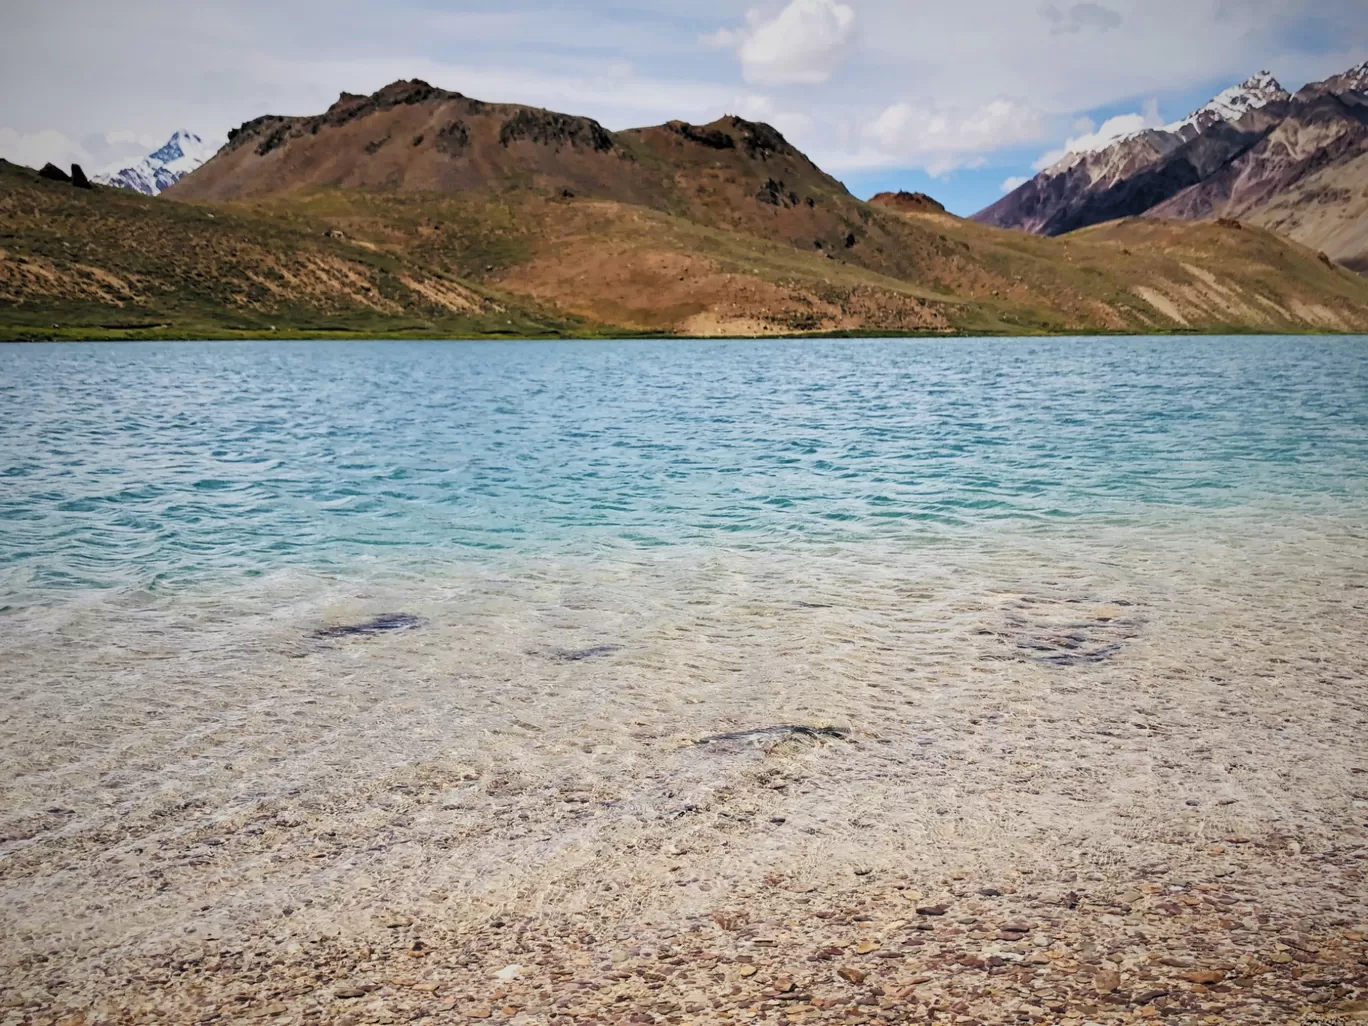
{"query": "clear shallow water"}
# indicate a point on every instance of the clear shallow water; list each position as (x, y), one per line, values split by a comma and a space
(155, 466)
(1053, 589)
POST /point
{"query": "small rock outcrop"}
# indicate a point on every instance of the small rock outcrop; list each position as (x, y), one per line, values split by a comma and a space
(549, 129)
(453, 138)
(908, 202)
(761, 141)
(776, 194)
(53, 173)
(79, 179)
(713, 138)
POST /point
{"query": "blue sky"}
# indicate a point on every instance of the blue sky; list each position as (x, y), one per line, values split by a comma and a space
(951, 99)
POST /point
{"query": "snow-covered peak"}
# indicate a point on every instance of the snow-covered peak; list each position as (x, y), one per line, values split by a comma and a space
(1231, 105)
(1235, 103)
(183, 148)
(160, 170)
(1356, 78)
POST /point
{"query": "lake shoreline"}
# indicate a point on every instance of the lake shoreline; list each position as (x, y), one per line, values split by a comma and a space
(23, 336)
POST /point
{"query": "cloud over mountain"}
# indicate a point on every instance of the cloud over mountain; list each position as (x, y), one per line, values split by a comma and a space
(1092, 138)
(941, 140)
(802, 45)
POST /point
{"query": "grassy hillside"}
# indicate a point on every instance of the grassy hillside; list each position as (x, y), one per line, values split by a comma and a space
(650, 271)
(112, 263)
(537, 262)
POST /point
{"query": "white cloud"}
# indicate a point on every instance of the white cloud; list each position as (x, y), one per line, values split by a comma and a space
(34, 149)
(803, 45)
(128, 137)
(1014, 183)
(1080, 17)
(940, 141)
(1093, 139)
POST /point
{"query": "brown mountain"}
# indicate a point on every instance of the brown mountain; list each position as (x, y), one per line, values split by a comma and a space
(411, 138)
(421, 211)
(1298, 164)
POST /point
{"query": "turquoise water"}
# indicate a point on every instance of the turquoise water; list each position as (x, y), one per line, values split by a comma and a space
(1054, 590)
(150, 465)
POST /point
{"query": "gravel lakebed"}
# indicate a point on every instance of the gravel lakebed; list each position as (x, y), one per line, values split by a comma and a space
(752, 792)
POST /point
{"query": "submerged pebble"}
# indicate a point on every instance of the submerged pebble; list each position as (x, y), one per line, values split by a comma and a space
(379, 625)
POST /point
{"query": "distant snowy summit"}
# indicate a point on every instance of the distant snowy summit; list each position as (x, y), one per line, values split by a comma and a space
(1234, 103)
(1228, 107)
(158, 171)
(1255, 153)
(1353, 80)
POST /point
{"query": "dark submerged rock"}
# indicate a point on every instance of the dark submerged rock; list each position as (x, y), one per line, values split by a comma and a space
(1069, 631)
(577, 655)
(380, 625)
(781, 731)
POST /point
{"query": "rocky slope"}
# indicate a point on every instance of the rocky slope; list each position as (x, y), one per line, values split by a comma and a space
(160, 170)
(411, 138)
(110, 263)
(1294, 163)
(1307, 177)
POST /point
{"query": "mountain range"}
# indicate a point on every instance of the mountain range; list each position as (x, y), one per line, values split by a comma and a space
(419, 211)
(1295, 163)
(160, 170)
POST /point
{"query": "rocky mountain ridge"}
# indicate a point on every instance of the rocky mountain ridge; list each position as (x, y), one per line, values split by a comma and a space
(414, 139)
(1155, 143)
(1231, 105)
(1295, 163)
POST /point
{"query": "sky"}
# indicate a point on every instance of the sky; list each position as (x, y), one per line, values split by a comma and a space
(960, 100)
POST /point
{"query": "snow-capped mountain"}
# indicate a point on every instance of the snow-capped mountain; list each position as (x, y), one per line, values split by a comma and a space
(1129, 174)
(158, 171)
(1230, 106)
(1233, 104)
(1354, 80)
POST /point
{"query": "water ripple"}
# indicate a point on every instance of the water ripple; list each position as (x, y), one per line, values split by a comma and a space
(141, 464)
